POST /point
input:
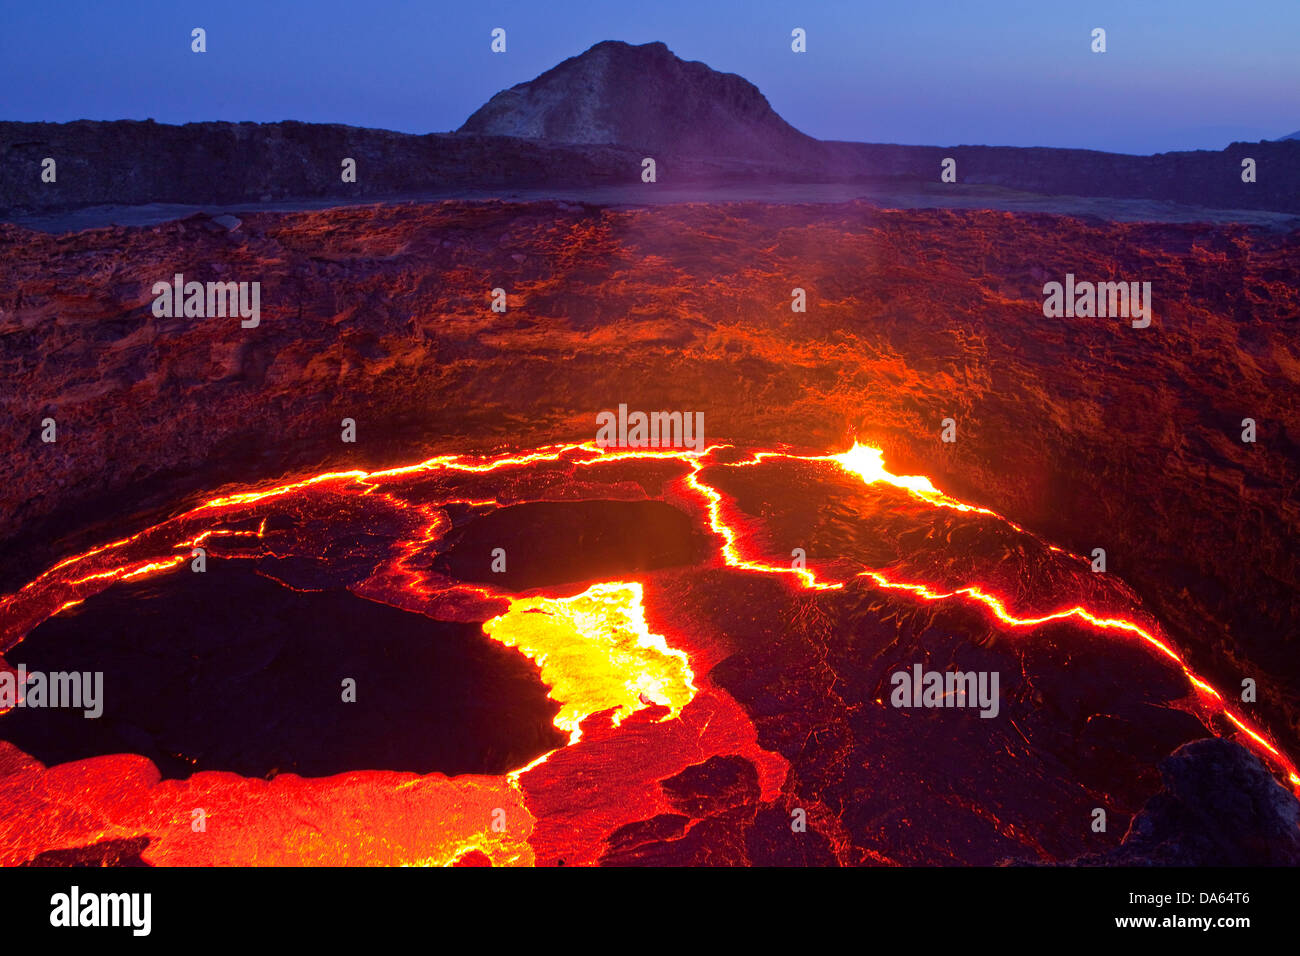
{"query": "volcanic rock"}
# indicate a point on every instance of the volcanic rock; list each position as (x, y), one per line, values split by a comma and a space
(105, 853)
(1219, 807)
(644, 96)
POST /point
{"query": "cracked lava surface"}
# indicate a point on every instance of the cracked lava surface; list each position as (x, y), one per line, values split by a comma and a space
(700, 684)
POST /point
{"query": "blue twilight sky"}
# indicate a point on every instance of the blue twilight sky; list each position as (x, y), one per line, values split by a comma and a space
(1177, 74)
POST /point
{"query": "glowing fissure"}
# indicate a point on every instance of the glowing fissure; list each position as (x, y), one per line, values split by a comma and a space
(594, 648)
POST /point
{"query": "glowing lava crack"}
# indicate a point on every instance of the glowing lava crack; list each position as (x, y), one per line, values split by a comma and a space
(592, 645)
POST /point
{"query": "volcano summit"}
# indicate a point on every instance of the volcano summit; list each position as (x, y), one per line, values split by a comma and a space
(646, 98)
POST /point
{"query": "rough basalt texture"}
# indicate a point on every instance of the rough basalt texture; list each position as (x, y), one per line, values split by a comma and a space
(1219, 807)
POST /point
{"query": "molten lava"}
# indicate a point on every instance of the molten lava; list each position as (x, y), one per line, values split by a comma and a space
(618, 682)
(596, 653)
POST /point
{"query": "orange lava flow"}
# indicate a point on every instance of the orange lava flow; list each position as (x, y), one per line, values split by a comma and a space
(593, 649)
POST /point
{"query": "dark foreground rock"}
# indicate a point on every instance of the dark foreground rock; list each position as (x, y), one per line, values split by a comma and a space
(1219, 807)
(105, 853)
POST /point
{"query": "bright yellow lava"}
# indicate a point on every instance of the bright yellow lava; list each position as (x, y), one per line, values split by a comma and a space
(869, 464)
(596, 652)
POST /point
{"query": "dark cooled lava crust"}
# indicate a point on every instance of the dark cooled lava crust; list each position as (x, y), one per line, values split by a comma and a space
(242, 669)
(788, 707)
(230, 670)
